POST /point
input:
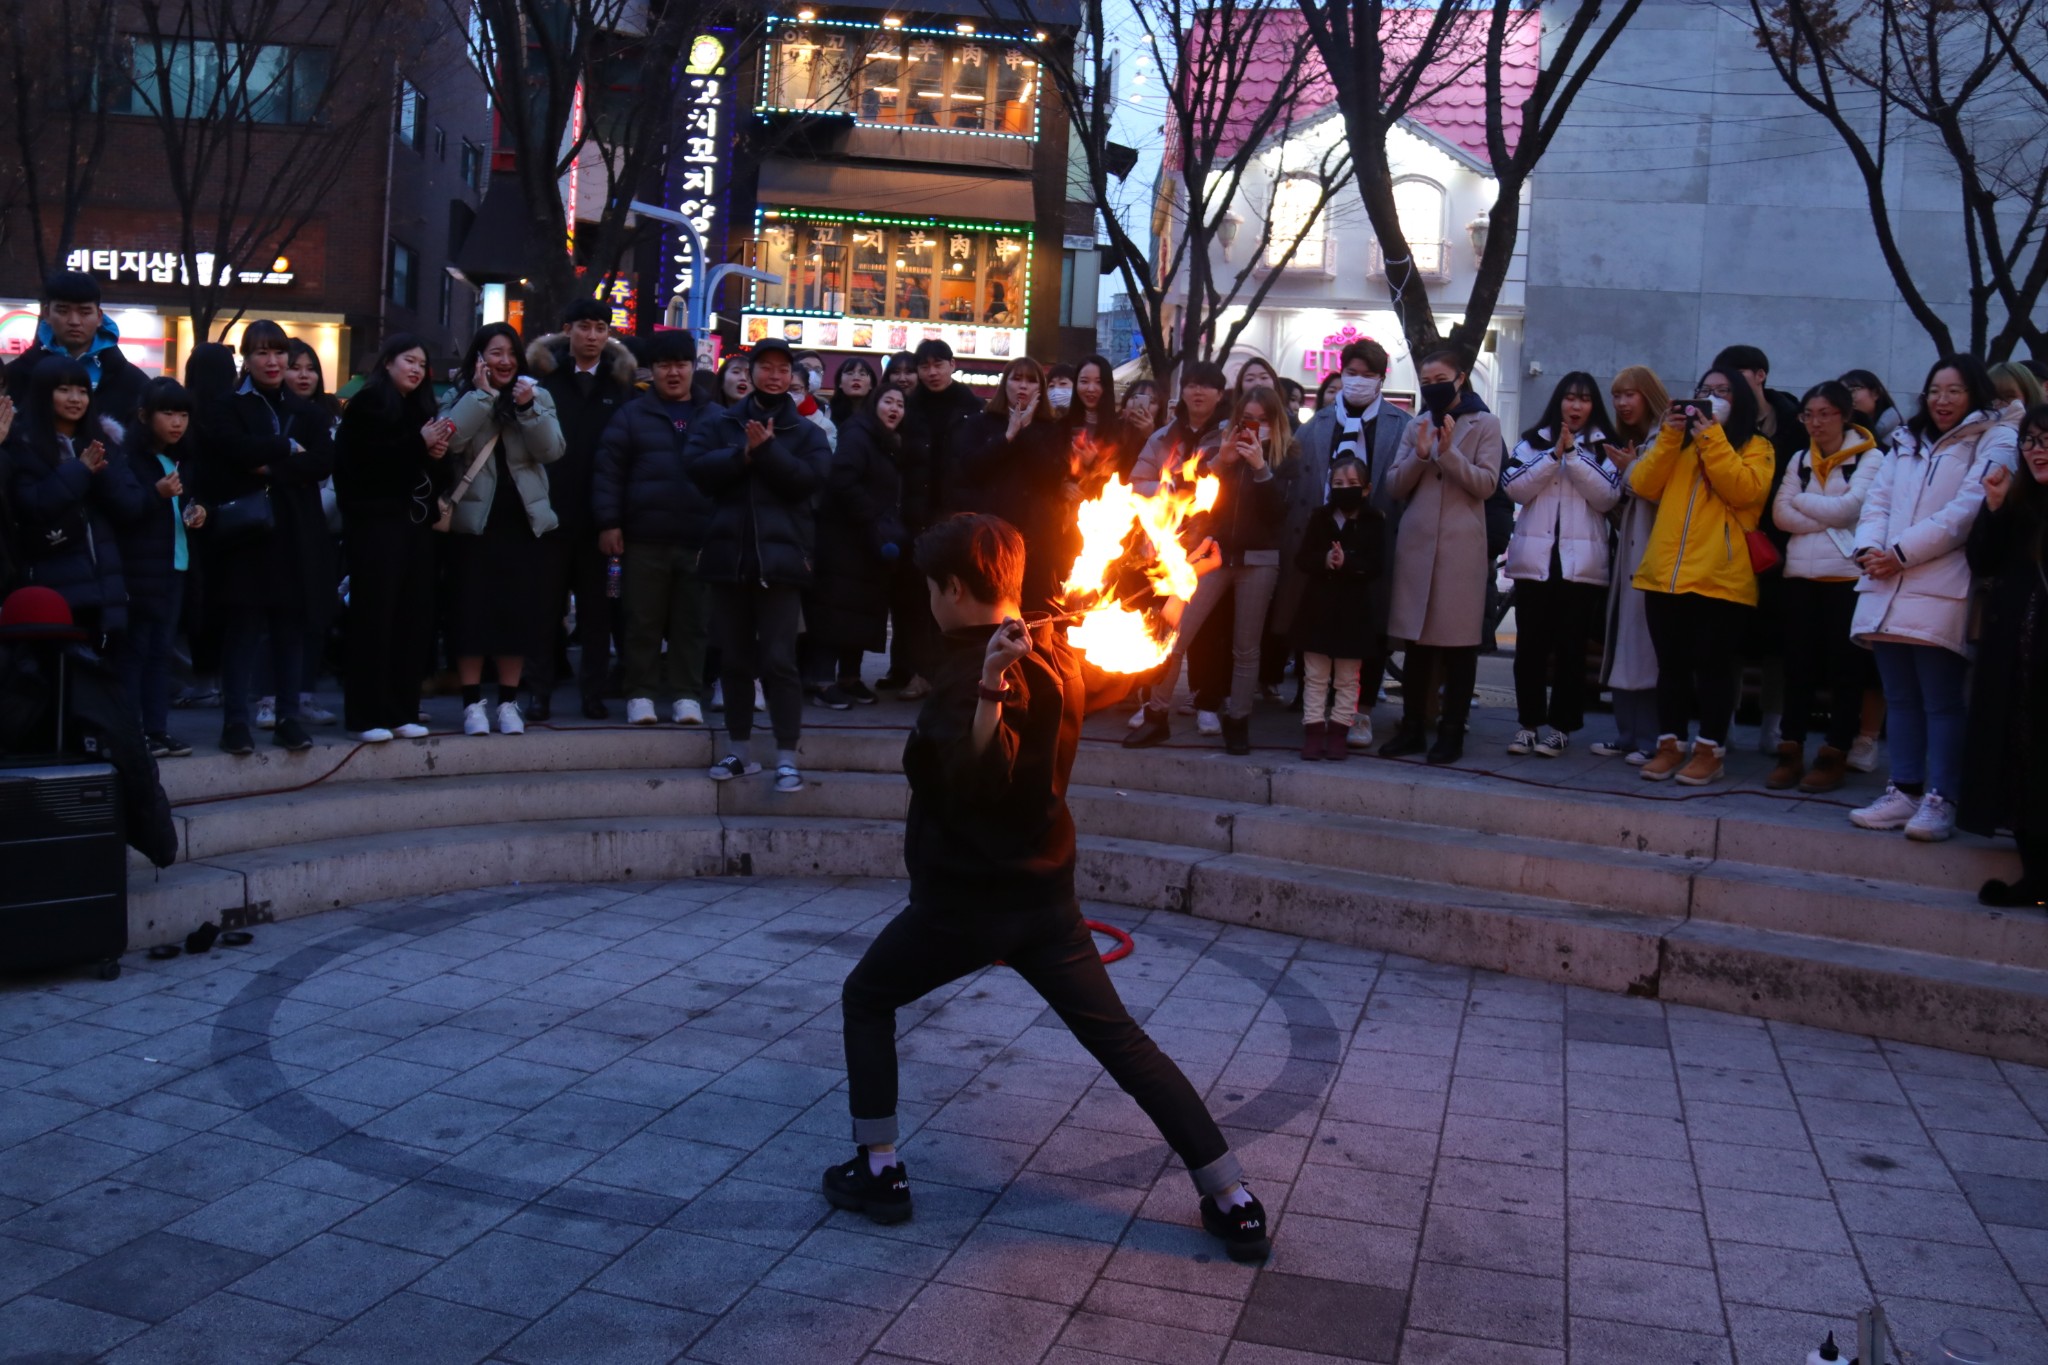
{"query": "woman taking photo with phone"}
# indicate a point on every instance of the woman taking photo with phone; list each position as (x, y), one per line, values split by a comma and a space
(1628, 663)
(390, 446)
(1913, 603)
(1012, 463)
(505, 437)
(1710, 472)
(1447, 467)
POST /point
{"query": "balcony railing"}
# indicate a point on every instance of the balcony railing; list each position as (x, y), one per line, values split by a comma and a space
(1432, 261)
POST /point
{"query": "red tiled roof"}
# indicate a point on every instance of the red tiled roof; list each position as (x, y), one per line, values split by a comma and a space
(1455, 112)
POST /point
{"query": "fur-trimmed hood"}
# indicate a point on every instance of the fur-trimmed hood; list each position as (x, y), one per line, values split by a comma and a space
(545, 355)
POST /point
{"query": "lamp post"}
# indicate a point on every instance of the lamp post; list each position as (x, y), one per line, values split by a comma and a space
(699, 313)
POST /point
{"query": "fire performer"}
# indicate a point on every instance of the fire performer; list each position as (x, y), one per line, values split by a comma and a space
(989, 845)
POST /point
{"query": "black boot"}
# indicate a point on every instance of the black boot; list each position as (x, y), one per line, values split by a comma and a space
(1450, 744)
(1157, 729)
(1237, 734)
(1408, 740)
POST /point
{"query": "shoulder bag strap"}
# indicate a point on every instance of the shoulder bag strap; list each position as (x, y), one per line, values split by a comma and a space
(476, 467)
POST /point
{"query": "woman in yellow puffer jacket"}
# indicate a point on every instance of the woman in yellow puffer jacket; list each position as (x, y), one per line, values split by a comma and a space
(1709, 472)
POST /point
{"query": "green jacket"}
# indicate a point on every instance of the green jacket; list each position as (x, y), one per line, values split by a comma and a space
(532, 442)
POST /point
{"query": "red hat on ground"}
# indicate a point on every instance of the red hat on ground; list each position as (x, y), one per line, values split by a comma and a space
(37, 614)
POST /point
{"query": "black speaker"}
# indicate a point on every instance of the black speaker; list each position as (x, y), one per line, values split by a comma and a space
(63, 867)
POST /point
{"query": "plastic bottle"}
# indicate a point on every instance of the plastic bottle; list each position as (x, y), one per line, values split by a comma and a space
(1827, 1353)
(613, 571)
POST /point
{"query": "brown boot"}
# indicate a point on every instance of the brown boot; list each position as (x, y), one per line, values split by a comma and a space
(1791, 766)
(1830, 767)
(1312, 740)
(1668, 759)
(1704, 767)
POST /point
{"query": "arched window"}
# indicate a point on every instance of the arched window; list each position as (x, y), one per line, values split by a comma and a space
(1420, 205)
(1298, 212)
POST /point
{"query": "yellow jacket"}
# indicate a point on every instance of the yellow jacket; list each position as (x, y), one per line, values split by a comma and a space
(1708, 498)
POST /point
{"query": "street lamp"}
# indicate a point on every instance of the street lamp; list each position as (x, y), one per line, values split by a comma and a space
(700, 298)
(1477, 230)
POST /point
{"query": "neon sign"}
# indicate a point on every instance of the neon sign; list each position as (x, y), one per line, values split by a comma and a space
(699, 166)
(167, 267)
(1327, 359)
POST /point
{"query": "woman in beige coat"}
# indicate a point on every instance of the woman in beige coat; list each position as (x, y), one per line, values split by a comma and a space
(1448, 466)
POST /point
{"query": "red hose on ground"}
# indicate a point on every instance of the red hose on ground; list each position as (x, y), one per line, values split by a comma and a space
(1124, 947)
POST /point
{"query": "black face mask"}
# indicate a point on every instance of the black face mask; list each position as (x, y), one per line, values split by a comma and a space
(1347, 500)
(1439, 398)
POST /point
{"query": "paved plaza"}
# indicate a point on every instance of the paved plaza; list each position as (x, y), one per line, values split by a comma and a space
(586, 1124)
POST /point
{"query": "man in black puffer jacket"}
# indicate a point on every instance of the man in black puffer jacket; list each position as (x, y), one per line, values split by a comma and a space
(940, 410)
(649, 511)
(762, 463)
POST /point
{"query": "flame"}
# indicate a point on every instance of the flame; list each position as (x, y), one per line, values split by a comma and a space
(1120, 626)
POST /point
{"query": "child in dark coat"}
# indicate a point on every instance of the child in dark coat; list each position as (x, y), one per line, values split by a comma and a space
(1340, 556)
(156, 553)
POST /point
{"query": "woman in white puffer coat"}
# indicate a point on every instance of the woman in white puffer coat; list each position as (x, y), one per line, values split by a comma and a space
(1913, 602)
(1818, 504)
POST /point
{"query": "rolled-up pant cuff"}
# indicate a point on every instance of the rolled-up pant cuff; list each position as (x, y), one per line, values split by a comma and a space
(875, 1132)
(1216, 1177)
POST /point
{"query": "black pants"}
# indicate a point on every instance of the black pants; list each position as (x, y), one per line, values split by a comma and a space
(1554, 620)
(823, 662)
(927, 946)
(390, 622)
(913, 635)
(570, 564)
(757, 639)
(1698, 642)
(1815, 618)
(1210, 656)
(1425, 668)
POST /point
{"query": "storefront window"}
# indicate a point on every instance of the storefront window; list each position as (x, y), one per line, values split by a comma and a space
(903, 79)
(964, 275)
(1004, 305)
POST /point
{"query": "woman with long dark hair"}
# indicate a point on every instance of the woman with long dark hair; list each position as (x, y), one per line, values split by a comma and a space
(304, 376)
(1012, 462)
(1913, 604)
(1875, 410)
(391, 442)
(1565, 485)
(734, 383)
(1710, 472)
(505, 430)
(263, 451)
(860, 542)
(855, 383)
(2005, 778)
(901, 372)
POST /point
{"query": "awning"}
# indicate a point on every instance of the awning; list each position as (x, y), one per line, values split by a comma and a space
(859, 189)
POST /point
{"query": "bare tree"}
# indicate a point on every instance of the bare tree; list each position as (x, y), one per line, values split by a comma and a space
(1222, 115)
(1965, 78)
(1387, 59)
(584, 84)
(257, 105)
(61, 60)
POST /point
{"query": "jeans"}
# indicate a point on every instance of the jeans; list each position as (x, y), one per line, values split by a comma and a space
(1816, 617)
(1924, 701)
(146, 660)
(1697, 640)
(1635, 718)
(250, 629)
(662, 598)
(757, 639)
(1554, 620)
(1331, 682)
(1254, 584)
(927, 946)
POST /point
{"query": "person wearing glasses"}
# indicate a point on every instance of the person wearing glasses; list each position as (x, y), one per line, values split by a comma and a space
(1709, 471)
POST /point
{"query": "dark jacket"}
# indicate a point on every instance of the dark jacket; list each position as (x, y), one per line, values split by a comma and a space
(1332, 617)
(117, 395)
(382, 471)
(2005, 755)
(993, 834)
(1249, 510)
(149, 539)
(292, 566)
(860, 538)
(932, 424)
(70, 522)
(641, 485)
(1023, 481)
(584, 420)
(762, 529)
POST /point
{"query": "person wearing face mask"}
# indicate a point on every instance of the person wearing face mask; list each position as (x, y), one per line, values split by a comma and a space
(2005, 772)
(1818, 504)
(1059, 388)
(1339, 556)
(1561, 478)
(1912, 605)
(1447, 468)
(2018, 391)
(1253, 463)
(808, 383)
(1354, 422)
(1012, 463)
(1710, 471)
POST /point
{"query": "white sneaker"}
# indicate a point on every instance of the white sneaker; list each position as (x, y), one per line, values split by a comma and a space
(311, 714)
(1523, 742)
(1934, 821)
(1603, 748)
(1771, 731)
(717, 696)
(476, 720)
(510, 722)
(1208, 723)
(760, 697)
(687, 712)
(412, 731)
(1636, 758)
(1551, 743)
(640, 711)
(1863, 754)
(1359, 736)
(1137, 717)
(377, 736)
(1893, 810)
(266, 714)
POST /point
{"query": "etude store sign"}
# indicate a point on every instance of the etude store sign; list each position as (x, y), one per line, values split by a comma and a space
(117, 264)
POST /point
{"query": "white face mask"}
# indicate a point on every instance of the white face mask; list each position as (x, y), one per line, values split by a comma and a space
(1360, 390)
(1722, 407)
(1264, 433)
(1060, 395)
